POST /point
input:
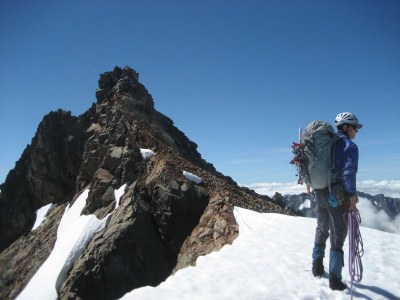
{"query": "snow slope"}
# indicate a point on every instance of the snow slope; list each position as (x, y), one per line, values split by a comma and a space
(271, 259)
(74, 233)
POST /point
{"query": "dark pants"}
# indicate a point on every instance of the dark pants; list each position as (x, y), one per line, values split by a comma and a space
(329, 220)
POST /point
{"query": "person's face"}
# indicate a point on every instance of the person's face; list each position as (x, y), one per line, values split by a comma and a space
(351, 131)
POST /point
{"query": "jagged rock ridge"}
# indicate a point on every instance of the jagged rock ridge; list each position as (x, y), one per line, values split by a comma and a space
(164, 221)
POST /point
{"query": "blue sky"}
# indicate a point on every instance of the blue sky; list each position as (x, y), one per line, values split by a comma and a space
(238, 77)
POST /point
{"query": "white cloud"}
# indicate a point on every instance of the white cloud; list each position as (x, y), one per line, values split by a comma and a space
(373, 218)
(284, 188)
(390, 188)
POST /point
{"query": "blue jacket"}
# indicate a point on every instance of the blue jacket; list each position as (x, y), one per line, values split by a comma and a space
(346, 163)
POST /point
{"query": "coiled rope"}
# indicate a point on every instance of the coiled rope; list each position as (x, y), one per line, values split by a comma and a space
(356, 247)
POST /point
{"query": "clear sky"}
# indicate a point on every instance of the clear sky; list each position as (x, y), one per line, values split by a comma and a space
(238, 77)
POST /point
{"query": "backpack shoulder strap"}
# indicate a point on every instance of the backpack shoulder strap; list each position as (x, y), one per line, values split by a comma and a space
(337, 136)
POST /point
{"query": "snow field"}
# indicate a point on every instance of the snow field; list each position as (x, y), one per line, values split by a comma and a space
(271, 259)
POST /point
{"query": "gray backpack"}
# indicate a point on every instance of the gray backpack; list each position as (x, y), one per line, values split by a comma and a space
(314, 155)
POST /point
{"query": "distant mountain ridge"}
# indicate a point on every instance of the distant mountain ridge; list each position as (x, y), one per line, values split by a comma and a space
(391, 206)
(388, 204)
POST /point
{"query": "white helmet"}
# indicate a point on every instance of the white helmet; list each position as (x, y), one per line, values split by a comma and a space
(347, 118)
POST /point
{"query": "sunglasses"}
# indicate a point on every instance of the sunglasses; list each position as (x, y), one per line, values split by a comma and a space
(355, 128)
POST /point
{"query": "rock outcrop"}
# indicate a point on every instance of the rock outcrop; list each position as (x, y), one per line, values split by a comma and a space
(45, 173)
(164, 221)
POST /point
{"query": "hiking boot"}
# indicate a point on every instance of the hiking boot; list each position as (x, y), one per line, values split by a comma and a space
(336, 284)
(318, 267)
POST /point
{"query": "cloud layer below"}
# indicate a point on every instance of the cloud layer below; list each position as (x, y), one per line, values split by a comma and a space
(371, 217)
(390, 188)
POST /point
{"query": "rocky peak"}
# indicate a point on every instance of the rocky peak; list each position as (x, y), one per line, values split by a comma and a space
(164, 221)
(118, 81)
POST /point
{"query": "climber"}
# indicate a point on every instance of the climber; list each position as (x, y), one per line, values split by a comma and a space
(330, 218)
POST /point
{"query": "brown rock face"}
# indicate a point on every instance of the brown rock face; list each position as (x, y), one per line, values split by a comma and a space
(142, 241)
(217, 227)
(45, 173)
(164, 221)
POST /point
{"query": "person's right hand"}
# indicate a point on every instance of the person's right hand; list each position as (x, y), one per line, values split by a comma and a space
(353, 202)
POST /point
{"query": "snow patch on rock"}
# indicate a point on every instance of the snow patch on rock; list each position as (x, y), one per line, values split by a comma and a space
(147, 153)
(41, 215)
(192, 177)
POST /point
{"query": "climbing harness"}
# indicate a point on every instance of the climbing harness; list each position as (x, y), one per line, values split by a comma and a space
(356, 247)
